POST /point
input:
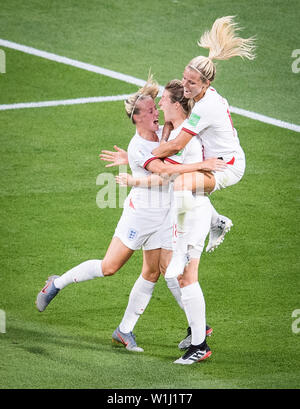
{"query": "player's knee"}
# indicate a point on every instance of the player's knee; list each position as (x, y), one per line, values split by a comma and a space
(109, 269)
(162, 268)
(185, 281)
(151, 275)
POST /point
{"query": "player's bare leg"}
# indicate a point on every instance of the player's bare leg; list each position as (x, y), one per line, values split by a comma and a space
(115, 257)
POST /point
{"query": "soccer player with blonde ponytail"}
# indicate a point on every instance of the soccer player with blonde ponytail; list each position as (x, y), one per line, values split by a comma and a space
(210, 121)
(223, 44)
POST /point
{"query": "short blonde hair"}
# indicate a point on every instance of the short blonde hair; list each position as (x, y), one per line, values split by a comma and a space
(150, 89)
(223, 43)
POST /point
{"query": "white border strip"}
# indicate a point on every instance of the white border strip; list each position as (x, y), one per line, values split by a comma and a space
(63, 102)
(265, 119)
(119, 76)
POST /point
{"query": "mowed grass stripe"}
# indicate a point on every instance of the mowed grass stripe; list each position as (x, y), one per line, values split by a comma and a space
(39, 79)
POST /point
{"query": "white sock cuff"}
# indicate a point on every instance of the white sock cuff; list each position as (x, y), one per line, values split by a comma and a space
(171, 281)
(191, 290)
(93, 268)
(87, 270)
(196, 251)
(144, 285)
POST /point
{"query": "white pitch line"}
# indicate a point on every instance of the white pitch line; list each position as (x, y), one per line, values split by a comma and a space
(122, 77)
(75, 101)
(74, 63)
(265, 119)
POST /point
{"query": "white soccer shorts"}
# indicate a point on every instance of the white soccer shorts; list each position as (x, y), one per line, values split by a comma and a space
(233, 173)
(148, 229)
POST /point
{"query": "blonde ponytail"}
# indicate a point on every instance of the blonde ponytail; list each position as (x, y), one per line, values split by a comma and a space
(223, 43)
(150, 89)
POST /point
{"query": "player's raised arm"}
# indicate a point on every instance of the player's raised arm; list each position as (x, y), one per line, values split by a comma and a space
(172, 147)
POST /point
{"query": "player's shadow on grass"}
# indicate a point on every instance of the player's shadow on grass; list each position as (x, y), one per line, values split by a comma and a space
(40, 342)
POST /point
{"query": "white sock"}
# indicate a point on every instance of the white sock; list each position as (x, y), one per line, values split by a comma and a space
(179, 241)
(214, 216)
(173, 286)
(194, 307)
(197, 226)
(139, 298)
(183, 202)
(193, 225)
(85, 271)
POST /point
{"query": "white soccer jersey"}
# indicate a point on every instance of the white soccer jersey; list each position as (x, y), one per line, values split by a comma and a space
(146, 219)
(210, 120)
(191, 153)
(139, 155)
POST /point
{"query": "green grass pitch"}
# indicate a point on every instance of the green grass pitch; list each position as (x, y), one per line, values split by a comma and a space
(50, 220)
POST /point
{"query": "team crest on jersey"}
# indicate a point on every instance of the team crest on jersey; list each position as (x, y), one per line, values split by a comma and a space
(193, 119)
(132, 234)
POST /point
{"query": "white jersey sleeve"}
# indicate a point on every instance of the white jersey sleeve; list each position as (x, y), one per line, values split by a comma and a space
(210, 120)
(140, 153)
(191, 153)
(197, 121)
(142, 156)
